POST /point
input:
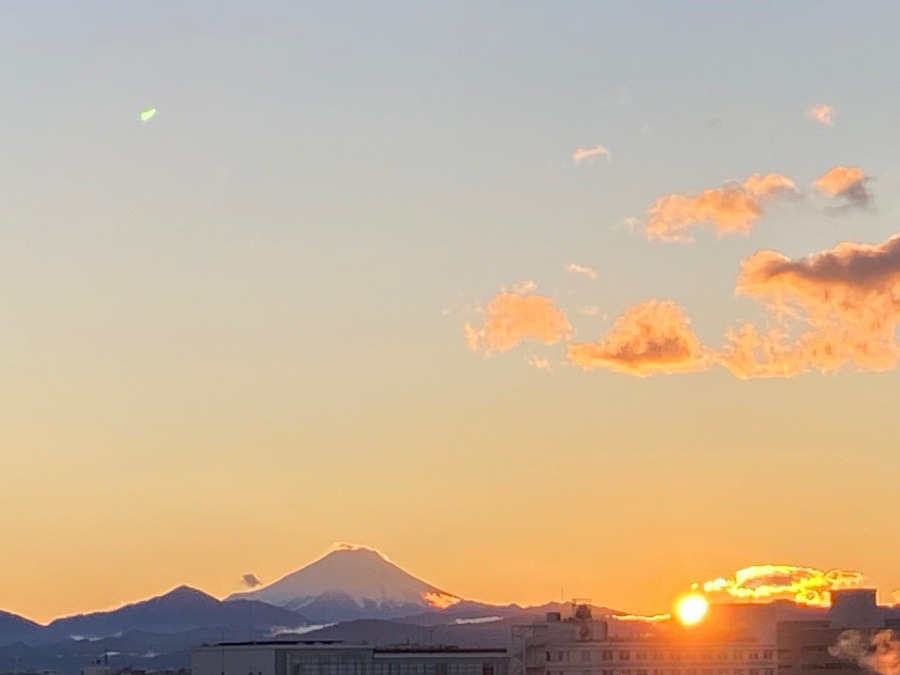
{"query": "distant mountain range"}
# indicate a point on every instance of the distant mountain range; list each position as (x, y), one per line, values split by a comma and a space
(352, 593)
(350, 583)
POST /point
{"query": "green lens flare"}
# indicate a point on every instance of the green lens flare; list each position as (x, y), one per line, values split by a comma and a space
(147, 114)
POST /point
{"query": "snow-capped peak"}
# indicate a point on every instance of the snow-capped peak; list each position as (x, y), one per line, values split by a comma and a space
(347, 546)
(352, 581)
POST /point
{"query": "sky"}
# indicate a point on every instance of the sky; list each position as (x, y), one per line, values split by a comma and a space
(542, 300)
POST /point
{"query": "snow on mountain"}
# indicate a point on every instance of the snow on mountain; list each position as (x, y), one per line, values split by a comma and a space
(351, 582)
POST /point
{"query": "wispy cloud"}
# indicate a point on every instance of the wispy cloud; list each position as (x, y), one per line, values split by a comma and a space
(838, 308)
(575, 268)
(511, 317)
(847, 182)
(650, 338)
(733, 208)
(538, 363)
(822, 113)
(581, 154)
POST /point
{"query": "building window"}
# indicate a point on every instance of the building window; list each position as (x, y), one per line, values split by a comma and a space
(767, 654)
(657, 656)
(754, 656)
(586, 656)
(606, 672)
(441, 668)
(626, 672)
(641, 656)
(559, 656)
(606, 655)
(624, 656)
(641, 672)
(754, 671)
(738, 671)
(769, 671)
(549, 658)
(738, 656)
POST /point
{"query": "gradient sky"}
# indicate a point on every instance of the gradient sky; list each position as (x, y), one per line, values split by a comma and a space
(235, 334)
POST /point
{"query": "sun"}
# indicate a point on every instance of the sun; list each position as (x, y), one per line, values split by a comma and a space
(690, 609)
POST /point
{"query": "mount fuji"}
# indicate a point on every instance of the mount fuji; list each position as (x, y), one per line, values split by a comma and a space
(352, 582)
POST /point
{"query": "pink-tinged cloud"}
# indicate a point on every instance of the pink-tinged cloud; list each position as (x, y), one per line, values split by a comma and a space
(847, 182)
(838, 308)
(511, 318)
(822, 113)
(733, 208)
(538, 362)
(575, 268)
(581, 154)
(650, 338)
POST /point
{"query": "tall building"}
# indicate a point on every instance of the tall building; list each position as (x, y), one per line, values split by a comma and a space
(338, 658)
(582, 646)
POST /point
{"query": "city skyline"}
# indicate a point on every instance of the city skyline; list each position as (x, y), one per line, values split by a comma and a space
(595, 299)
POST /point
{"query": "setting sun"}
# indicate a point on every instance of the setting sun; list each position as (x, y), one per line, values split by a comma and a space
(691, 609)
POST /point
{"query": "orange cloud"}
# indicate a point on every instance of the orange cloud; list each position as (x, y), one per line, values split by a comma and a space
(836, 308)
(845, 181)
(513, 317)
(823, 114)
(734, 207)
(649, 338)
(590, 153)
(764, 583)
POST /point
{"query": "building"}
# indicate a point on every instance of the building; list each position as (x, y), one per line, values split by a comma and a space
(582, 646)
(338, 658)
(841, 641)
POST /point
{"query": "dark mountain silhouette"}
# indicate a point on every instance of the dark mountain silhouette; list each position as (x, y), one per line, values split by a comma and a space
(180, 610)
(14, 628)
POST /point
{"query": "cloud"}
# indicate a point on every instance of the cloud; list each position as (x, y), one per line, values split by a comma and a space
(847, 182)
(481, 619)
(250, 581)
(836, 308)
(538, 363)
(649, 338)
(764, 583)
(512, 317)
(575, 268)
(877, 651)
(822, 113)
(581, 154)
(734, 207)
(524, 287)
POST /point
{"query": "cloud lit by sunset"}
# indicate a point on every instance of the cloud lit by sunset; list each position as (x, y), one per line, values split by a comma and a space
(765, 583)
(733, 208)
(650, 338)
(510, 318)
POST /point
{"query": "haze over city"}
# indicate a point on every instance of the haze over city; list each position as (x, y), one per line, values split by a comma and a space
(539, 300)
